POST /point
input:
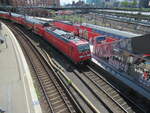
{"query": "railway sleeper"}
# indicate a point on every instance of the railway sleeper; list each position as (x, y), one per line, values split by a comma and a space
(49, 85)
(58, 105)
(45, 80)
(99, 81)
(95, 78)
(102, 84)
(125, 106)
(129, 109)
(106, 87)
(121, 101)
(41, 74)
(43, 77)
(113, 93)
(54, 95)
(53, 90)
(46, 83)
(56, 98)
(116, 97)
(63, 110)
(56, 101)
(92, 77)
(109, 90)
(37, 66)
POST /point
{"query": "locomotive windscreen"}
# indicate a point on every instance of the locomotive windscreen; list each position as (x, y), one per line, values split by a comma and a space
(83, 47)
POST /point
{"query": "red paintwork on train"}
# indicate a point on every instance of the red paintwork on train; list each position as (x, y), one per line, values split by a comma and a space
(5, 15)
(19, 20)
(65, 27)
(70, 49)
(39, 29)
(29, 25)
(67, 45)
(80, 30)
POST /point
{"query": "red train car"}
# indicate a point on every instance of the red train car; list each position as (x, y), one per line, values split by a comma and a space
(29, 22)
(66, 26)
(17, 18)
(72, 46)
(87, 33)
(4, 15)
(75, 48)
(82, 31)
(38, 26)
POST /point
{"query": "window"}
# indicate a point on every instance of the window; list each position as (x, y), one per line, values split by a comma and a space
(83, 48)
(99, 39)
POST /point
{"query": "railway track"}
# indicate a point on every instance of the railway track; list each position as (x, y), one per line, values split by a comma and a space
(111, 97)
(55, 96)
(119, 104)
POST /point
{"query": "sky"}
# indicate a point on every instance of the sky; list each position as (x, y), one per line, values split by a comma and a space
(63, 2)
(67, 1)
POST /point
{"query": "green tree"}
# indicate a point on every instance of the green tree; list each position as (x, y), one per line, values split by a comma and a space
(134, 3)
(144, 3)
(125, 3)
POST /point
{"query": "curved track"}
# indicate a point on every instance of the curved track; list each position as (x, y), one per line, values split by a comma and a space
(55, 95)
(117, 101)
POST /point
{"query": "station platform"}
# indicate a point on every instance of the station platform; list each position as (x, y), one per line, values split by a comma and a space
(129, 81)
(17, 93)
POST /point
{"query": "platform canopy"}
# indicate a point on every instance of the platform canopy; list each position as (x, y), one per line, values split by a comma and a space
(136, 45)
(141, 44)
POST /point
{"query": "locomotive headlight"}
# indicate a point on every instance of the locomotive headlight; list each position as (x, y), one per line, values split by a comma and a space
(81, 56)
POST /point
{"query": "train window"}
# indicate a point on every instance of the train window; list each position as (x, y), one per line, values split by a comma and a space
(45, 24)
(99, 39)
(83, 48)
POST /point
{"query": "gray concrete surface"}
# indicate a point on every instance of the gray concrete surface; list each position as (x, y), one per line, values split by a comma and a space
(17, 93)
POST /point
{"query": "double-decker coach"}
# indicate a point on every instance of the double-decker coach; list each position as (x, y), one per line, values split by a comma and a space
(4, 15)
(17, 18)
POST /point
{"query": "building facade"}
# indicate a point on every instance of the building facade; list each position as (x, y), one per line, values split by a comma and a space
(31, 2)
(101, 3)
(4, 2)
(98, 3)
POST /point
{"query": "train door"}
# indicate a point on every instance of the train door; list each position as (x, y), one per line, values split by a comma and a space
(71, 51)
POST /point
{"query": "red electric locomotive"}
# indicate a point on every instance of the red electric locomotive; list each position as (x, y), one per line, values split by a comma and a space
(72, 46)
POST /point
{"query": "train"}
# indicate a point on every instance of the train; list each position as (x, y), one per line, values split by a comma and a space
(71, 45)
(90, 31)
(83, 31)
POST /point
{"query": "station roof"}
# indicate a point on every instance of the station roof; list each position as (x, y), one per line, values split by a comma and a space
(112, 32)
(141, 44)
